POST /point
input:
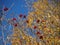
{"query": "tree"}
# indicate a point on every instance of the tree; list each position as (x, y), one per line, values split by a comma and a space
(43, 22)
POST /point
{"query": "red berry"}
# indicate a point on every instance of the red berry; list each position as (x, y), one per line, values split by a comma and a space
(15, 25)
(38, 33)
(20, 15)
(41, 37)
(38, 21)
(14, 18)
(35, 27)
(27, 21)
(5, 9)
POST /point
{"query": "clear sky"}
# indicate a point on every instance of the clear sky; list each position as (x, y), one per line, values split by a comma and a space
(16, 7)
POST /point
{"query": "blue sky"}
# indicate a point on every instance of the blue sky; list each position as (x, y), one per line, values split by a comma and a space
(17, 8)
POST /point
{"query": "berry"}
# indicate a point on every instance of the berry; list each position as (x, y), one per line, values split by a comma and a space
(41, 37)
(35, 27)
(38, 21)
(27, 21)
(24, 16)
(5, 9)
(20, 15)
(38, 33)
(15, 25)
(14, 18)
